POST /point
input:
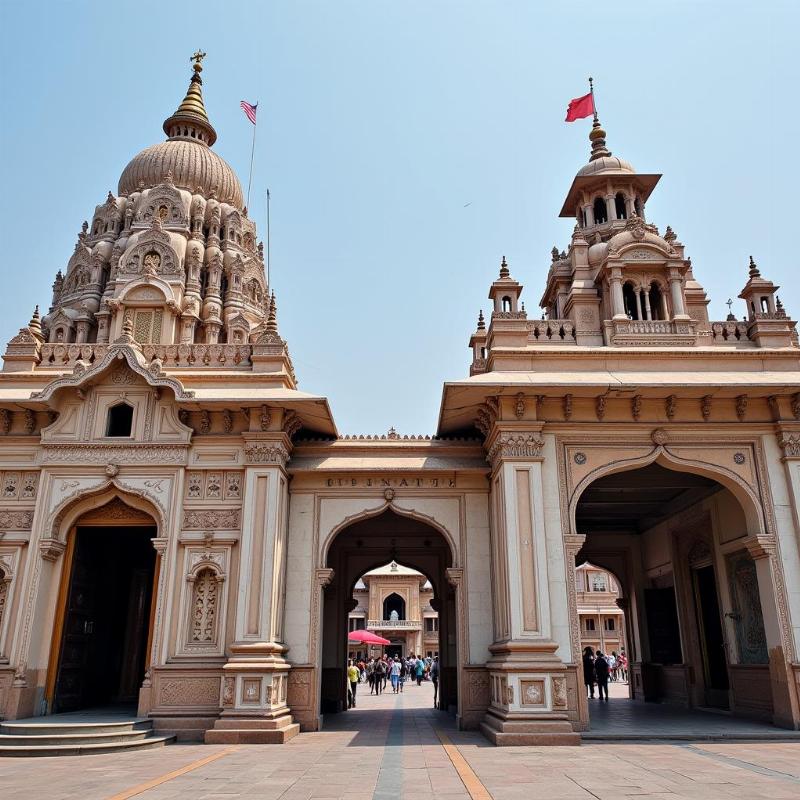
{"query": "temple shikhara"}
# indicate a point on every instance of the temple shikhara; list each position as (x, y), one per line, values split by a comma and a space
(183, 532)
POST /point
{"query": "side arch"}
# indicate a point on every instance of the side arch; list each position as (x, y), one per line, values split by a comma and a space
(743, 492)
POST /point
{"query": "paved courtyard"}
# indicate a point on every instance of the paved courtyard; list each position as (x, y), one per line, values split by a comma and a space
(398, 746)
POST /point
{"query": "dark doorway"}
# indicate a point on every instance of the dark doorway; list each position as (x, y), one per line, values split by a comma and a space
(712, 641)
(394, 650)
(394, 603)
(103, 646)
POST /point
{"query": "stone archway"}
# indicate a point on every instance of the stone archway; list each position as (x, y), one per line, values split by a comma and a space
(362, 545)
(685, 543)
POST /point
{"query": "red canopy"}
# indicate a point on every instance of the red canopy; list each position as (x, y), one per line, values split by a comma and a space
(366, 637)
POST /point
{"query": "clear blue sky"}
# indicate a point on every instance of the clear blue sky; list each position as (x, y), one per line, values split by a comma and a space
(378, 123)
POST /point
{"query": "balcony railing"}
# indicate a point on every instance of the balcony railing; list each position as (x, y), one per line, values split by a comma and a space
(406, 624)
(553, 331)
(194, 356)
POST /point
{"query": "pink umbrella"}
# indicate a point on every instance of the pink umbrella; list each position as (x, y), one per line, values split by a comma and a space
(366, 637)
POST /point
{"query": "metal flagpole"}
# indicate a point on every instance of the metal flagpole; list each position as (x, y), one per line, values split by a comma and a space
(269, 285)
(252, 153)
(591, 92)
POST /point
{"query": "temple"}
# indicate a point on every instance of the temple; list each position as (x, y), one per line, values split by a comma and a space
(183, 530)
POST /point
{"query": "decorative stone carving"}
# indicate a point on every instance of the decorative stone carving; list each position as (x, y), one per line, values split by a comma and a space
(600, 407)
(124, 454)
(291, 423)
(515, 445)
(705, 407)
(227, 421)
(205, 595)
(566, 405)
(265, 418)
(266, 453)
(5, 420)
(795, 405)
(671, 406)
(214, 486)
(15, 520)
(790, 443)
(189, 691)
(228, 691)
(205, 421)
(194, 485)
(741, 406)
(233, 485)
(487, 415)
(519, 405)
(636, 406)
(212, 519)
(659, 436)
(559, 692)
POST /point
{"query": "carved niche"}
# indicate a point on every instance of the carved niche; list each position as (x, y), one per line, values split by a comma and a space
(748, 619)
(204, 604)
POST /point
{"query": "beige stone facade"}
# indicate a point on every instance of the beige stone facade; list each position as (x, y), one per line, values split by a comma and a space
(394, 602)
(600, 614)
(182, 528)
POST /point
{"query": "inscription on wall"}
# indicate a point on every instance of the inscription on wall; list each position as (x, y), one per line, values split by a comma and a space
(388, 482)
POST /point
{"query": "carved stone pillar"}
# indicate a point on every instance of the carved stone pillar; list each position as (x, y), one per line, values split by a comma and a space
(255, 681)
(528, 702)
(676, 294)
(617, 299)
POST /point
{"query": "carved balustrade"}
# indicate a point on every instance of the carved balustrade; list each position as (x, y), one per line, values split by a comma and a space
(172, 356)
(393, 624)
(552, 331)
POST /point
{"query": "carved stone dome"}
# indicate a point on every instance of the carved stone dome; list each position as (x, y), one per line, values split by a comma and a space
(194, 167)
(607, 165)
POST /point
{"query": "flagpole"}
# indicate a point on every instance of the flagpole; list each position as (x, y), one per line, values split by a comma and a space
(252, 153)
(268, 243)
(591, 92)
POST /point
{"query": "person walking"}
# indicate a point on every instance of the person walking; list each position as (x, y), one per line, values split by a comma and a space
(601, 670)
(623, 665)
(588, 671)
(420, 668)
(613, 666)
(352, 678)
(435, 679)
(395, 673)
(403, 673)
(371, 675)
(379, 675)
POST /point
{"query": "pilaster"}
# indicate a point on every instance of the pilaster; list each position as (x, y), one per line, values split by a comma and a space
(528, 683)
(255, 678)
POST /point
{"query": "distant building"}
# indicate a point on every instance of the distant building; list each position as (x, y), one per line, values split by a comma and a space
(602, 620)
(395, 602)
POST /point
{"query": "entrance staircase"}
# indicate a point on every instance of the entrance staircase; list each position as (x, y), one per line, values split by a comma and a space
(80, 733)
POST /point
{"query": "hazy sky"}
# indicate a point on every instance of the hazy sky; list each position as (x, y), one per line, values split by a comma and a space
(407, 146)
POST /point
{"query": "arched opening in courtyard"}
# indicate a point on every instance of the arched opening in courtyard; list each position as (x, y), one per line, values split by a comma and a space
(104, 610)
(390, 578)
(695, 583)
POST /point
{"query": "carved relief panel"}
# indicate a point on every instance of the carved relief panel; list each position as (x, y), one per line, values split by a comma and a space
(748, 621)
(204, 599)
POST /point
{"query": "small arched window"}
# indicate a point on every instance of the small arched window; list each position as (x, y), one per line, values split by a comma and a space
(619, 205)
(600, 211)
(631, 301)
(656, 298)
(394, 603)
(506, 303)
(483, 352)
(120, 420)
(764, 305)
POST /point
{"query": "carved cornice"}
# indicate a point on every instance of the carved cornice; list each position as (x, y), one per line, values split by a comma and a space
(455, 575)
(101, 453)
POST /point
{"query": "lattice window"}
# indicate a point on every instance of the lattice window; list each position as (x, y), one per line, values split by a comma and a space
(205, 597)
(147, 326)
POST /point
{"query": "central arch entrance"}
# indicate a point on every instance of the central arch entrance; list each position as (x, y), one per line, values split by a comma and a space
(104, 616)
(367, 546)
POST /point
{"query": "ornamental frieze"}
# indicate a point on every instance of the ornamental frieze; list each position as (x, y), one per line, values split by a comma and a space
(118, 454)
(211, 519)
(790, 444)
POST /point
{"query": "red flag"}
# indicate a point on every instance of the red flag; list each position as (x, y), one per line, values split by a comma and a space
(249, 110)
(580, 107)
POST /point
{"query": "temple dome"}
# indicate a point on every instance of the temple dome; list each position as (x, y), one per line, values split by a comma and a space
(194, 166)
(607, 165)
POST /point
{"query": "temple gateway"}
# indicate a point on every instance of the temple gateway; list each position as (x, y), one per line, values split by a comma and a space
(183, 530)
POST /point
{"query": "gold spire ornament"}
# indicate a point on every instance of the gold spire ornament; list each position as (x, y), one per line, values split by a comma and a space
(190, 120)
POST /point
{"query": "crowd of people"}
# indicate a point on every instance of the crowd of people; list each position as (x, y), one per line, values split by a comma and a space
(599, 669)
(378, 672)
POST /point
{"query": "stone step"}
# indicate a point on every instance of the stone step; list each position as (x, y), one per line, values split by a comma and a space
(76, 749)
(51, 728)
(71, 738)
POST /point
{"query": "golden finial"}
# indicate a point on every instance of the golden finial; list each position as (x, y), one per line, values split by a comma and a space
(198, 60)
